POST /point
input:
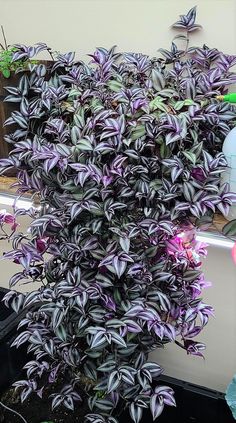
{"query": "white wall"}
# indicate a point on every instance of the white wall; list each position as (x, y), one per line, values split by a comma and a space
(144, 26)
(219, 335)
(138, 25)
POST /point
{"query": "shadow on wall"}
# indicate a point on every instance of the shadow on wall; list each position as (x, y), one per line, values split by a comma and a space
(219, 365)
(8, 268)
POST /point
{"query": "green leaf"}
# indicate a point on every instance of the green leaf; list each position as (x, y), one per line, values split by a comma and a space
(61, 333)
(74, 93)
(138, 132)
(168, 92)
(156, 184)
(189, 102)
(151, 251)
(197, 148)
(179, 104)
(194, 134)
(115, 85)
(79, 119)
(117, 296)
(230, 228)
(164, 151)
(157, 103)
(6, 73)
(190, 156)
(96, 105)
(84, 145)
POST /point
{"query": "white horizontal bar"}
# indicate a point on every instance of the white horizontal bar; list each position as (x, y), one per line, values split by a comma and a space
(212, 239)
(10, 201)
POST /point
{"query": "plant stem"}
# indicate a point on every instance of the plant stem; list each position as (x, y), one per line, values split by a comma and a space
(187, 43)
(13, 411)
(4, 37)
(5, 233)
(50, 53)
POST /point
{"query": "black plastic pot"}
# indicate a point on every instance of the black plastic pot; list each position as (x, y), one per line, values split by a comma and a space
(11, 359)
(195, 404)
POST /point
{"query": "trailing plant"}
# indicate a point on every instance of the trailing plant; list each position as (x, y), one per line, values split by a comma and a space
(125, 156)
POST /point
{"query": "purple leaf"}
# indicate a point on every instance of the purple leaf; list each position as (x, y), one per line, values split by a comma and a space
(156, 406)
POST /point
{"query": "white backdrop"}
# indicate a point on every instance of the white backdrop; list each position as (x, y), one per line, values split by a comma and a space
(138, 25)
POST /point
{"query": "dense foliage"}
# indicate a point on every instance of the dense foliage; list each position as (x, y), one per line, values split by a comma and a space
(125, 156)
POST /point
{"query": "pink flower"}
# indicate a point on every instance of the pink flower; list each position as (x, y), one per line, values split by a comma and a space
(41, 245)
(233, 252)
(8, 218)
(175, 245)
(185, 246)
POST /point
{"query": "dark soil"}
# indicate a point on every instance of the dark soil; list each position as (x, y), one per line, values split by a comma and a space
(37, 410)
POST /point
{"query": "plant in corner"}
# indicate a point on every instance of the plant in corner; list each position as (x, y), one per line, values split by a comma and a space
(125, 156)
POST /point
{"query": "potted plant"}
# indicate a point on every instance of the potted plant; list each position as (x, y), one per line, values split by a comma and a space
(125, 155)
